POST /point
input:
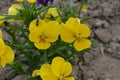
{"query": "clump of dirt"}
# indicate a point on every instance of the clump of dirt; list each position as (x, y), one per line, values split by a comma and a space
(103, 62)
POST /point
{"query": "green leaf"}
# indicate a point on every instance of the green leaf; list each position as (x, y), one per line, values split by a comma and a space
(86, 19)
(71, 5)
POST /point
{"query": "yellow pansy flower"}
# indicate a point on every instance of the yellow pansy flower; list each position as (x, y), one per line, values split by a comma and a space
(6, 53)
(13, 9)
(52, 14)
(58, 70)
(84, 8)
(19, 0)
(30, 1)
(73, 31)
(43, 33)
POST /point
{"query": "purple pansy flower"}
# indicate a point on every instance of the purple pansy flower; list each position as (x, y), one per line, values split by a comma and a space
(44, 2)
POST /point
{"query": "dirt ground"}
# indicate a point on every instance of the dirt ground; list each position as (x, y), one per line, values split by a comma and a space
(103, 62)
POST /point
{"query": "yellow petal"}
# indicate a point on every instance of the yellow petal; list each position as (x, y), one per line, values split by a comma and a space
(54, 12)
(2, 62)
(34, 36)
(84, 8)
(2, 47)
(31, 1)
(67, 33)
(66, 69)
(73, 21)
(19, 0)
(83, 30)
(69, 78)
(57, 62)
(35, 24)
(81, 44)
(52, 31)
(13, 9)
(8, 54)
(42, 44)
(36, 73)
(46, 72)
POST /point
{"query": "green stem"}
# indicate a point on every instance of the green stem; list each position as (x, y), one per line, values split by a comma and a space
(45, 56)
(63, 6)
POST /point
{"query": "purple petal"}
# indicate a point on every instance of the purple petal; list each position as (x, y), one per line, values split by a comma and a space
(44, 2)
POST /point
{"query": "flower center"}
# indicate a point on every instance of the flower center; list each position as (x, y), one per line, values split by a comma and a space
(78, 36)
(43, 37)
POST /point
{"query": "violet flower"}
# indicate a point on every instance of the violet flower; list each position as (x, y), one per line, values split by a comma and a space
(44, 2)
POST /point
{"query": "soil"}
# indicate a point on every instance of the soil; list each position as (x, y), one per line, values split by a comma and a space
(103, 62)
